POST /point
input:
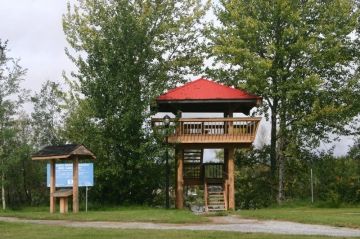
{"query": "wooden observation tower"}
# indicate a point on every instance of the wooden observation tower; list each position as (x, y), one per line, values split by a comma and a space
(190, 136)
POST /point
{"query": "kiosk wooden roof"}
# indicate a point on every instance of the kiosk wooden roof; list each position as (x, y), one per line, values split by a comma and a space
(65, 152)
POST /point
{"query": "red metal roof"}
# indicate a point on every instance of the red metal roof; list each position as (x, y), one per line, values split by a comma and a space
(204, 89)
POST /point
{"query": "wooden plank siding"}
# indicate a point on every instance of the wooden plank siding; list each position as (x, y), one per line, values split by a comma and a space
(211, 130)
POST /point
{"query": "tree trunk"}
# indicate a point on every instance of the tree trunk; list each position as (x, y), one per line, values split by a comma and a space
(26, 191)
(3, 190)
(281, 164)
(281, 158)
(273, 143)
(273, 153)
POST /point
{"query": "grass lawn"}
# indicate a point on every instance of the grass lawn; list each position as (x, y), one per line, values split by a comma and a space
(343, 217)
(128, 214)
(29, 231)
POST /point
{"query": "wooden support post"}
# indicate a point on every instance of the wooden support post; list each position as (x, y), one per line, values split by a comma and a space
(76, 185)
(231, 183)
(52, 186)
(206, 196)
(179, 203)
(226, 176)
(63, 205)
(225, 191)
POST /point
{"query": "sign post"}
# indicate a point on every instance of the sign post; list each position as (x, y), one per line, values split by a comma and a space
(312, 185)
(86, 199)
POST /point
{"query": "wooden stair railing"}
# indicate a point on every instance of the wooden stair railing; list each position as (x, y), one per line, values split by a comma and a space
(193, 164)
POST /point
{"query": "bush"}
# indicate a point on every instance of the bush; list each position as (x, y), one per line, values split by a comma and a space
(252, 184)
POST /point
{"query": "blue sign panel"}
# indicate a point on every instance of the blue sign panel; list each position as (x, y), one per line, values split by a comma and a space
(64, 175)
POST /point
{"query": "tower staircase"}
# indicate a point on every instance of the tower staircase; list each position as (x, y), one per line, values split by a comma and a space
(215, 198)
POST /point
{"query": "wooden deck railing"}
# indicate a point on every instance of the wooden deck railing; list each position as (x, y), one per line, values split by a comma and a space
(211, 130)
(192, 171)
(214, 170)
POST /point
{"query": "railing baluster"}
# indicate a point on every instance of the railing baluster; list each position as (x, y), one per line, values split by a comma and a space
(251, 129)
(223, 127)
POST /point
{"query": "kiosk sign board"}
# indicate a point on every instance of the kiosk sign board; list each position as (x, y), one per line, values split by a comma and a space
(64, 175)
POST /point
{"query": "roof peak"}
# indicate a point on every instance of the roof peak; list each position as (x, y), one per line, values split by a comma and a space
(205, 89)
(64, 151)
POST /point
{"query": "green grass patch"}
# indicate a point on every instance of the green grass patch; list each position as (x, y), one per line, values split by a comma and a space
(342, 217)
(120, 214)
(29, 231)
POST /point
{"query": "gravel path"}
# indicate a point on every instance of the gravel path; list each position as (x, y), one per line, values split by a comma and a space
(228, 223)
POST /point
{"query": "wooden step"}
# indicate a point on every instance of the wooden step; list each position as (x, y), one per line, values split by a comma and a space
(216, 193)
(215, 200)
(216, 208)
(215, 196)
(216, 203)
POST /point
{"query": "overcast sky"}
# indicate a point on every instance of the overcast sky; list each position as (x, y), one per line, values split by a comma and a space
(34, 31)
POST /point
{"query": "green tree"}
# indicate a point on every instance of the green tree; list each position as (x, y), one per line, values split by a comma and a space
(126, 53)
(354, 152)
(21, 171)
(253, 189)
(11, 98)
(302, 58)
(48, 115)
